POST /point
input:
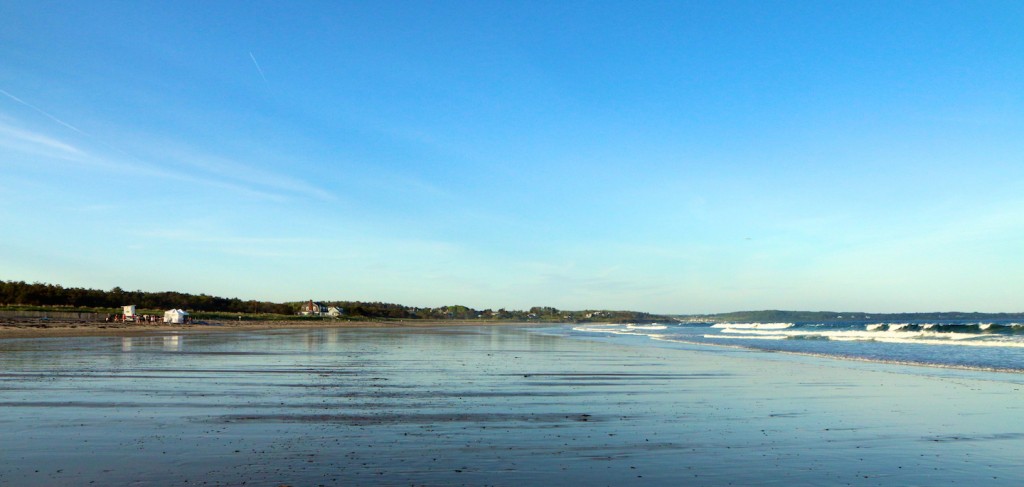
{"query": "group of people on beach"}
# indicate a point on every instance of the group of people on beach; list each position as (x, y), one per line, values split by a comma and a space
(120, 318)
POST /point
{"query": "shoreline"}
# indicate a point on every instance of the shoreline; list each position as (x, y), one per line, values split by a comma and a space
(57, 328)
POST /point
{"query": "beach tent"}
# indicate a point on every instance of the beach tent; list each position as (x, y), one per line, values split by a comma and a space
(175, 316)
(129, 312)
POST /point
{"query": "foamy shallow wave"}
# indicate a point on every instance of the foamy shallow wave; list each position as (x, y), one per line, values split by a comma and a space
(753, 326)
(599, 328)
(654, 326)
(751, 337)
(875, 334)
(620, 329)
(960, 344)
(947, 327)
(919, 340)
(884, 333)
(974, 345)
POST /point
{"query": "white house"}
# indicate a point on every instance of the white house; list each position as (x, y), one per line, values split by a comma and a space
(175, 316)
(312, 309)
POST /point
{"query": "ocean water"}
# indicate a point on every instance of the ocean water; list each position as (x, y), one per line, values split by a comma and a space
(995, 345)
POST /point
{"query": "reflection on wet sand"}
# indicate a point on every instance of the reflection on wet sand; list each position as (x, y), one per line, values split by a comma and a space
(489, 405)
(170, 343)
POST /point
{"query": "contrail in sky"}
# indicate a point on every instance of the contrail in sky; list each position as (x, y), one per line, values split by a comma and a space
(248, 184)
(258, 67)
(40, 110)
(68, 125)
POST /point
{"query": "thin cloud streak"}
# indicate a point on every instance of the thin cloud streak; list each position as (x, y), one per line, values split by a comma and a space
(363, 252)
(241, 178)
(191, 236)
(43, 112)
(258, 67)
(228, 168)
(35, 138)
(42, 145)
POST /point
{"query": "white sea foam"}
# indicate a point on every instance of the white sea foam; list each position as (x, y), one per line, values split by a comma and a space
(986, 326)
(861, 359)
(751, 337)
(754, 326)
(654, 326)
(922, 337)
(919, 334)
(898, 326)
(614, 329)
(595, 328)
(857, 334)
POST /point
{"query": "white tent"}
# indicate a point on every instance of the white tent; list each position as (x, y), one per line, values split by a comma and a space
(129, 312)
(175, 316)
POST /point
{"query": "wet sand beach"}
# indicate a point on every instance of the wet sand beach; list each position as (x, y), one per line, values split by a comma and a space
(57, 327)
(486, 406)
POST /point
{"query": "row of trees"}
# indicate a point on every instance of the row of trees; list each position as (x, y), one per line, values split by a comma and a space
(40, 294)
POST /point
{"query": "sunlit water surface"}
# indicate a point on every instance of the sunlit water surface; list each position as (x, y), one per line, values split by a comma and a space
(487, 405)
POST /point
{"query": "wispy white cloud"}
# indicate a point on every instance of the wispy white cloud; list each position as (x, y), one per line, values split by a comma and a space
(258, 68)
(41, 111)
(94, 208)
(201, 237)
(361, 250)
(213, 171)
(35, 143)
(226, 169)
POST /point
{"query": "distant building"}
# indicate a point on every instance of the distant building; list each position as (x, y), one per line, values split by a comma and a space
(175, 316)
(313, 309)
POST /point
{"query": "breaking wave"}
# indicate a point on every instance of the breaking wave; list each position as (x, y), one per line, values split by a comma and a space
(985, 345)
(968, 334)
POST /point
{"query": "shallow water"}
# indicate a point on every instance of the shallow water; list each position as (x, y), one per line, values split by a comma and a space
(996, 345)
(487, 405)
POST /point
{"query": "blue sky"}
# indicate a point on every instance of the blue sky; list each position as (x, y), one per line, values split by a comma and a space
(676, 157)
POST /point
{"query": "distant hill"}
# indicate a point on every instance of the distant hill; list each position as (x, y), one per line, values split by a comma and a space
(779, 316)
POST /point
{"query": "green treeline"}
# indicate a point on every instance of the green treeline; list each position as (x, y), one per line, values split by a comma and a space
(20, 293)
(39, 294)
(458, 312)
